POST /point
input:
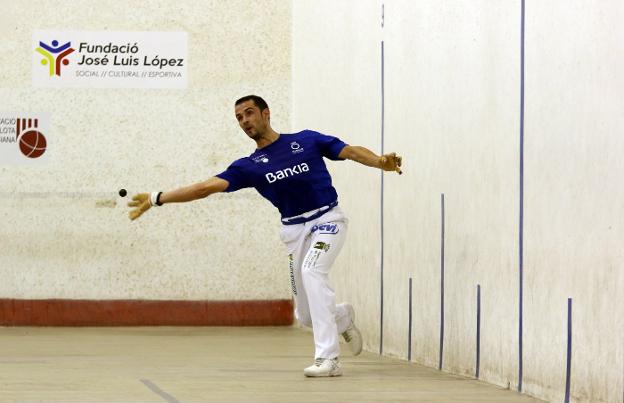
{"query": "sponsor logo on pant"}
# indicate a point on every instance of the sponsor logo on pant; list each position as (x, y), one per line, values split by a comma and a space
(291, 264)
(328, 228)
(311, 258)
(322, 246)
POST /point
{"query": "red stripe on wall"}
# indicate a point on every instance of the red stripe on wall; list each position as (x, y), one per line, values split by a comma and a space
(72, 312)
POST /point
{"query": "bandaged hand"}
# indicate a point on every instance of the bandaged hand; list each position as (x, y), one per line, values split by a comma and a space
(141, 203)
(391, 162)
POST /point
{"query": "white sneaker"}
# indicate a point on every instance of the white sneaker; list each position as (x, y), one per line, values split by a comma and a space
(324, 367)
(352, 335)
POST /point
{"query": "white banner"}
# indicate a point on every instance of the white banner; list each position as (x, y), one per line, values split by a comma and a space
(109, 59)
(24, 138)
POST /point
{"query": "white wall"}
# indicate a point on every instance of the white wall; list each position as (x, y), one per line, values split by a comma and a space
(574, 197)
(452, 108)
(54, 245)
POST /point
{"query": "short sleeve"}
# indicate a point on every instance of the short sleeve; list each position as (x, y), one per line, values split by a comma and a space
(329, 146)
(235, 175)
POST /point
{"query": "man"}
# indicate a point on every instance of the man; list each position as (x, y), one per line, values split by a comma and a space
(289, 171)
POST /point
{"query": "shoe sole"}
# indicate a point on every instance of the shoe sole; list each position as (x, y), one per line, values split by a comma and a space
(352, 315)
(323, 375)
(359, 351)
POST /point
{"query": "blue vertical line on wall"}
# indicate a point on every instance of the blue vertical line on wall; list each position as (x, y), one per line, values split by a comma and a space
(478, 331)
(521, 218)
(381, 319)
(383, 16)
(569, 353)
(442, 285)
(409, 323)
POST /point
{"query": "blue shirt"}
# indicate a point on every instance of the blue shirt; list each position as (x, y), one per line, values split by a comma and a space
(290, 172)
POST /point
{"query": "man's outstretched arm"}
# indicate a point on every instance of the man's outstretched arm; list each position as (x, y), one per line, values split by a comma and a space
(143, 201)
(387, 162)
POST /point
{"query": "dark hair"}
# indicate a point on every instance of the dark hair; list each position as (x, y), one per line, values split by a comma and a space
(259, 102)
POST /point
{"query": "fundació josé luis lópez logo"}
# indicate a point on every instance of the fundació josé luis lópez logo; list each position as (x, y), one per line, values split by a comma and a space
(54, 56)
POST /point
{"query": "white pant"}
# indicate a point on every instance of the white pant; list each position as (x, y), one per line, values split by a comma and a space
(313, 246)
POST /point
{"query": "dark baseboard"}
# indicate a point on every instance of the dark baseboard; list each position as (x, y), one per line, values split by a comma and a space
(73, 312)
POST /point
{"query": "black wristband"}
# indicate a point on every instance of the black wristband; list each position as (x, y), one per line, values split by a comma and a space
(158, 203)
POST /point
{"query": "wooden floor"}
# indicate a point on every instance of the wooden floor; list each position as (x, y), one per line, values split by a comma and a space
(173, 364)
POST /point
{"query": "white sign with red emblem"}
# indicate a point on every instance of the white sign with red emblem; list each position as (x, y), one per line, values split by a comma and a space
(24, 138)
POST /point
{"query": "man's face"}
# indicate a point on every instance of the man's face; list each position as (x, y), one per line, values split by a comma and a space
(251, 120)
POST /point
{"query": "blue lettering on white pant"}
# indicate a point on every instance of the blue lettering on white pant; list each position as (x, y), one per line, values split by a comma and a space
(328, 228)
